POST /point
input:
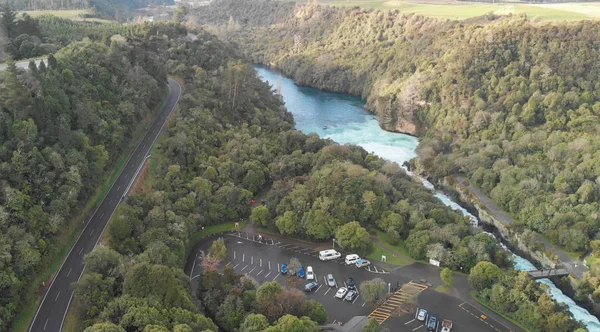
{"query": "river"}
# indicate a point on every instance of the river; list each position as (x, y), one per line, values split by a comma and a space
(342, 118)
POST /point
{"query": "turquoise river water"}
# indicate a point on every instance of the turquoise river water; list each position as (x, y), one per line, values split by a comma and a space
(342, 118)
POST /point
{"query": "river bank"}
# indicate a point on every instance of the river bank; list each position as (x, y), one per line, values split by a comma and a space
(343, 119)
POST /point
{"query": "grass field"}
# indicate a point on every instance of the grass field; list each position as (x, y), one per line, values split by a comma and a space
(75, 15)
(451, 9)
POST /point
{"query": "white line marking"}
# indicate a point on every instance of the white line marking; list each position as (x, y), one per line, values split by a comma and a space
(375, 268)
(45, 323)
(125, 174)
(259, 273)
(252, 269)
(193, 267)
(318, 289)
(244, 267)
(328, 290)
(269, 265)
(243, 257)
(418, 327)
(56, 296)
(356, 298)
(80, 251)
(276, 277)
(261, 262)
(335, 320)
(410, 321)
(234, 254)
(252, 260)
(69, 272)
(92, 232)
(110, 202)
(364, 304)
(194, 277)
(268, 274)
(236, 265)
(228, 264)
(102, 215)
(119, 187)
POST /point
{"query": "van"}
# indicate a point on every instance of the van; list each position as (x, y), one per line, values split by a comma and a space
(328, 254)
(351, 259)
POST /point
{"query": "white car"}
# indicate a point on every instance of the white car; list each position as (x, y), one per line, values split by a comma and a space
(309, 273)
(341, 292)
(422, 315)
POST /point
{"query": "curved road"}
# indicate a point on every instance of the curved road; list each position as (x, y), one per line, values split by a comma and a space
(51, 313)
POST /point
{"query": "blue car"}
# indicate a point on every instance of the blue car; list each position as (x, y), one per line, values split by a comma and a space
(301, 272)
(284, 268)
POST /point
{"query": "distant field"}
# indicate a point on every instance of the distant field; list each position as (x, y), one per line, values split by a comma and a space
(75, 15)
(460, 10)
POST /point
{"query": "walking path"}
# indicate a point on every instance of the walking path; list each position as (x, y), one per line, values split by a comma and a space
(574, 266)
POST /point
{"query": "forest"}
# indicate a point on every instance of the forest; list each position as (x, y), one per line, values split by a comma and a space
(225, 145)
(62, 127)
(491, 98)
(21, 37)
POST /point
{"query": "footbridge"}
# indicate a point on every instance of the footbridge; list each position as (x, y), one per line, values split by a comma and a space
(535, 274)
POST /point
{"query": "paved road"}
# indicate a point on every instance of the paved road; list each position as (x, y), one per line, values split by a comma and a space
(52, 311)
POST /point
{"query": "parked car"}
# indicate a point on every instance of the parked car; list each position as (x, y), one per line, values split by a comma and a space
(422, 315)
(330, 280)
(341, 292)
(432, 323)
(362, 263)
(301, 272)
(311, 286)
(309, 273)
(284, 268)
(350, 284)
(446, 325)
(351, 259)
(351, 295)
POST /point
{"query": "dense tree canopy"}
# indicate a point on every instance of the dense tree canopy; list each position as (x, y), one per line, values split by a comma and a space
(61, 128)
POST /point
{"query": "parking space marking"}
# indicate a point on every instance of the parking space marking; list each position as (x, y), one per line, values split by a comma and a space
(259, 272)
(276, 277)
(261, 262)
(243, 257)
(228, 264)
(327, 290)
(244, 268)
(356, 298)
(410, 321)
(269, 265)
(318, 289)
(236, 265)
(252, 260)
(234, 254)
(375, 269)
(268, 274)
(364, 304)
(418, 327)
(252, 270)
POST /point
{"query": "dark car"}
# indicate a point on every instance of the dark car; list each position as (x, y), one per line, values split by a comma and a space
(432, 323)
(350, 284)
(301, 272)
(351, 295)
(311, 286)
(284, 268)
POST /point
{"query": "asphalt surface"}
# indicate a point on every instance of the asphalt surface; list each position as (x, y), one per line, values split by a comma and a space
(53, 309)
(262, 261)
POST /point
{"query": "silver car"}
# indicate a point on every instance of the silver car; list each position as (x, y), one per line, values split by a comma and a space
(330, 280)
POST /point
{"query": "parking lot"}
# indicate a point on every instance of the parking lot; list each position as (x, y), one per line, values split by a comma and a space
(262, 260)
